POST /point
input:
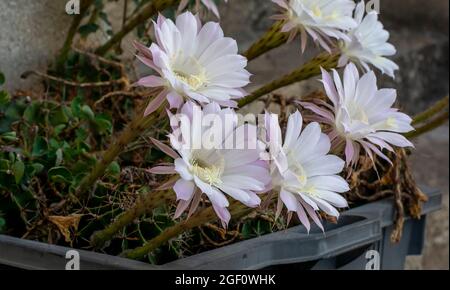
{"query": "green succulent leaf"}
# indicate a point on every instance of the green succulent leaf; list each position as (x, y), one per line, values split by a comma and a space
(87, 29)
(60, 175)
(18, 170)
(114, 168)
(87, 113)
(40, 147)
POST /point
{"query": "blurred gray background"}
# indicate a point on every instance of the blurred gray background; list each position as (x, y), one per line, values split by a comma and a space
(31, 32)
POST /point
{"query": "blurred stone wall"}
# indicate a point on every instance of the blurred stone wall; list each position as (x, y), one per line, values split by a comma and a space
(31, 32)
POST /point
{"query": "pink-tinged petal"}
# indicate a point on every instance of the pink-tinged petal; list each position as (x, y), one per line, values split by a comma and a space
(184, 189)
(215, 196)
(211, 6)
(156, 103)
(303, 218)
(343, 60)
(281, 3)
(162, 170)
(182, 168)
(293, 130)
(223, 214)
(288, 27)
(142, 49)
(313, 215)
(319, 111)
(183, 5)
(349, 151)
(357, 153)
(166, 186)
(195, 203)
(333, 198)
(229, 104)
(304, 39)
(330, 89)
(394, 139)
(370, 147)
(327, 208)
(151, 82)
(236, 193)
(289, 200)
(175, 100)
(380, 143)
(279, 208)
(149, 62)
(181, 208)
(254, 201)
(305, 198)
(164, 148)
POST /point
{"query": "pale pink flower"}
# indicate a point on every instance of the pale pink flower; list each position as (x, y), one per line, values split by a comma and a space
(367, 44)
(321, 19)
(304, 173)
(361, 115)
(216, 171)
(194, 62)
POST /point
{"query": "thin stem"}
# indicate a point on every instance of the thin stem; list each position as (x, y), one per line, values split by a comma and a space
(273, 38)
(431, 112)
(121, 81)
(308, 70)
(85, 5)
(148, 11)
(204, 216)
(440, 120)
(125, 13)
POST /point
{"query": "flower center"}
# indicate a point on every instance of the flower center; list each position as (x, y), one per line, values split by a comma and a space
(193, 81)
(317, 12)
(210, 174)
(302, 177)
(357, 113)
(361, 116)
(392, 123)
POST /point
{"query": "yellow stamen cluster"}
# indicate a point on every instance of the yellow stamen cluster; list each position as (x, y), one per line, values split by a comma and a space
(210, 174)
(193, 81)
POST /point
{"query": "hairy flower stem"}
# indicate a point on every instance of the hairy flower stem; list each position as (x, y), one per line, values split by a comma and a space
(144, 204)
(63, 54)
(135, 128)
(204, 216)
(431, 112)
(148, 11)
(308, 70)
(273, 38)
(437, 122)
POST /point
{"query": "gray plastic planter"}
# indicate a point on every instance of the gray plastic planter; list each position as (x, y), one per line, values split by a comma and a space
(362, 236)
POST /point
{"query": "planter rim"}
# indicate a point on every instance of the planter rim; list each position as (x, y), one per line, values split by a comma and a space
(357, 227)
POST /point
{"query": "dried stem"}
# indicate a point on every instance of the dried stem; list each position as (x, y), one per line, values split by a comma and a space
(308, 70)
(431, 112)
(273, 38)
(400, 209)
(121, 81)
(148, 11)
(85, 5)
